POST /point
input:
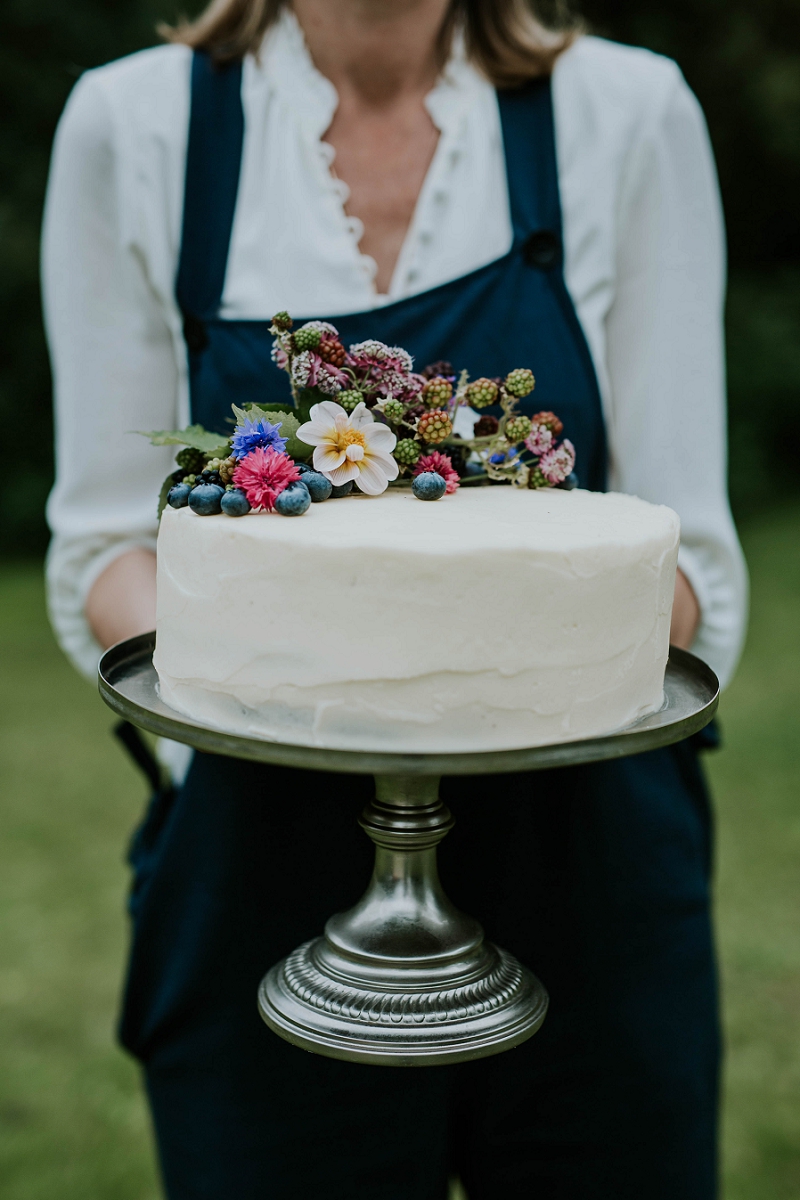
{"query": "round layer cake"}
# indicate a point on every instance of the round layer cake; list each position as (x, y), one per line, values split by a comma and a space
(492, 619)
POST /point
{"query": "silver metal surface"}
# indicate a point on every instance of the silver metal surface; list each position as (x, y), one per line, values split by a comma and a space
(403, 978)
(128, 684)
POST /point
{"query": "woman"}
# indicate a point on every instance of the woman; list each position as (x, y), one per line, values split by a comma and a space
(453, 178)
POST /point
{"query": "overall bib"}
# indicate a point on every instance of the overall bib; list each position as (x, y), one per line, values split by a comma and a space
(596, 877)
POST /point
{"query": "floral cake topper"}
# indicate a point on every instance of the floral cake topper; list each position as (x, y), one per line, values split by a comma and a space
(363, 418)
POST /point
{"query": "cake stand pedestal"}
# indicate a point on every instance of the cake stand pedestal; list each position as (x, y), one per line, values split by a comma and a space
(404, 978)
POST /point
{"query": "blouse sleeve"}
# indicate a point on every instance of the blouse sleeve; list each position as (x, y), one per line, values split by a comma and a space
(115, 368)
(665, 357)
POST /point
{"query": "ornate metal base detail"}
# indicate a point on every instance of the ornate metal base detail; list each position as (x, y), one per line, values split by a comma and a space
(403, 978)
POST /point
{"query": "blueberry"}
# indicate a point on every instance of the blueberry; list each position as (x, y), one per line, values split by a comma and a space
(234, 503)
(318, 486)
(205, 499)
(178, 495)
(303, 467)
(570, 483)
(428, 486)
(343, 489)
(293, 501)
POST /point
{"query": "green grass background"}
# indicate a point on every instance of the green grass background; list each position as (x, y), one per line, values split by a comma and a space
(72, 1119)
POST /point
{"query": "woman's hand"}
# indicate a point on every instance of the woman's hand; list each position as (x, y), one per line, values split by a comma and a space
(685, 614)
(122, 600)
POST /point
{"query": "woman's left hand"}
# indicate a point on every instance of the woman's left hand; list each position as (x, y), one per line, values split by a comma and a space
(685, 614)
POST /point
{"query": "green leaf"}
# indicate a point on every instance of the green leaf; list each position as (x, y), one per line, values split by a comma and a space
(162, 499)
(254, 412)
(306, 399)
(213, 444)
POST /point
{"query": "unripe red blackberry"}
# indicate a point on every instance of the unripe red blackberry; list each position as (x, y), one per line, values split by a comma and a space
(226, 469)
(434, 426)
(332, 352)
(550, 421)
(437, 392)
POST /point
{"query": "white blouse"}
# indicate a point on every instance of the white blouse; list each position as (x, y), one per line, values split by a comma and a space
(644, 263)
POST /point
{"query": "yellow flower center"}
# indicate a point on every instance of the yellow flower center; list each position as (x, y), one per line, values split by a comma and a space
(351, 437)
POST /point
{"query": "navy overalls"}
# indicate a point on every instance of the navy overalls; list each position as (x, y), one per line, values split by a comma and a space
(597, 877)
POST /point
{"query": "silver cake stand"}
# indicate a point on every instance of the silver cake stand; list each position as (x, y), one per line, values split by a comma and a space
(404, 978)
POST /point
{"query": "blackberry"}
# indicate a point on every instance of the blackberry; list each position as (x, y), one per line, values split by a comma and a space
(394, 411)
(486, 426)
(407, 452)
(434, 426)
(332, 352)
(349, 399)
(193, 461)
(520, 382)
(550, 421)
(518, 428)
(306, 339)
(481, 393)
(437, 391)
(442, 368)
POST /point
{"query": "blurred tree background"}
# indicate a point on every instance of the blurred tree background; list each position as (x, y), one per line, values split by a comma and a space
(741, 57)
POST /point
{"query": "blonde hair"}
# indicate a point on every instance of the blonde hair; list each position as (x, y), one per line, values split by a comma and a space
(504, 38)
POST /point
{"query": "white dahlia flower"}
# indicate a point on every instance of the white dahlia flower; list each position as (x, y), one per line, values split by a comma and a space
(350, 446)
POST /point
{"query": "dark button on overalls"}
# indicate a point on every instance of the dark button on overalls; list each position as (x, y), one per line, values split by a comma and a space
(595, 876)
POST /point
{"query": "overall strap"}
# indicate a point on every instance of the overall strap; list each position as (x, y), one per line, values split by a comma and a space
(213, 161)
(526, 115)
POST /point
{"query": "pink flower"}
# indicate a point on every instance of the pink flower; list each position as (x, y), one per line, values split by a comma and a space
(305, 368)
(441, 464)
(539, 440)
(279, 356)
(309, 370)
(330, 379)
(377, 354)
(263, 474)
(386, 370)
(393, 384)
(557, 463)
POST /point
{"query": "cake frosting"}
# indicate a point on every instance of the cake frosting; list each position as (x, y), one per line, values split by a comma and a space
(493, 619)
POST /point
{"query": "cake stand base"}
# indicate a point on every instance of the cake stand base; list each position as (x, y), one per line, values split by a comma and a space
(403, 978)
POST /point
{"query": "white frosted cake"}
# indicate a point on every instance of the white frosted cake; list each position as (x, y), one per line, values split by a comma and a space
(496, 618)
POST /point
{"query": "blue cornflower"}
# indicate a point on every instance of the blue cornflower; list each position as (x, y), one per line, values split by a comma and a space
(256, 433)
(509, 457)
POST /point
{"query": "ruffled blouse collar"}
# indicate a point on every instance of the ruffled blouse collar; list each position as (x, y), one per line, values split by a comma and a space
(285, 65)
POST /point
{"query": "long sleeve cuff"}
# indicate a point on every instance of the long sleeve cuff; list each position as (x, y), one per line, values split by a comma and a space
(718, 577)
